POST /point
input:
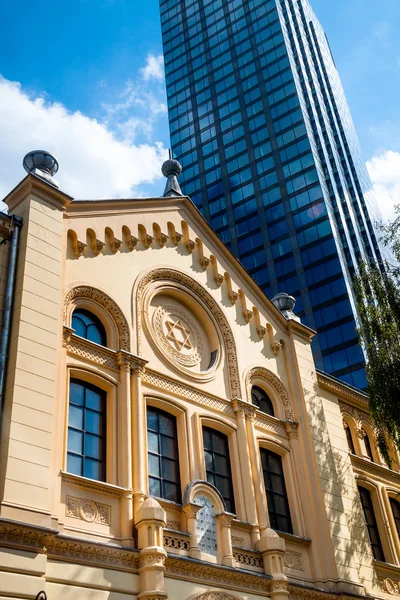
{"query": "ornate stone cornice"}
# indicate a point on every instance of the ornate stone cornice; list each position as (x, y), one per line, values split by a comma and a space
(199, 571)
(101, 355)
(354, 397)
(89, 351)
(89, 485)
(154, 379)
(58, 546)
(366, 468)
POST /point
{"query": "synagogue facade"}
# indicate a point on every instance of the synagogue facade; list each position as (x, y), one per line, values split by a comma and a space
(164, 431)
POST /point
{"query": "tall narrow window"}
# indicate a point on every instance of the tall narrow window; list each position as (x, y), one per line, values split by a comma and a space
(163, 460)
(368, 447)
(218, 465)
(372, 525)
(86, 453)
(274, 481)
(88, 326)
(396, 513)
(261, 399)
(349, 437)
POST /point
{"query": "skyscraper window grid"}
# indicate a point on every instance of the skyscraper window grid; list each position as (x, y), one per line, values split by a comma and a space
(259, 120)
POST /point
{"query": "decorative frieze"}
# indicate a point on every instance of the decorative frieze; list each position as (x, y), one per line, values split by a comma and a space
(389, 586)
(88, 510)
(156, 380)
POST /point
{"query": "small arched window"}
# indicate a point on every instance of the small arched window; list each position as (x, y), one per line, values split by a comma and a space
(163, 459)
(368, 447)
(349, 437)
(218, 465)
(261, 399)
(89, 327)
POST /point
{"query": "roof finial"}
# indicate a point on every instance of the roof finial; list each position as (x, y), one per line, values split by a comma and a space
(285, 304)
(171, 169)
(43, 164)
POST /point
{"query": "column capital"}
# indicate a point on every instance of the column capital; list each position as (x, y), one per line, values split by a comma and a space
(243, 409)
(130, 362)
(191, 510)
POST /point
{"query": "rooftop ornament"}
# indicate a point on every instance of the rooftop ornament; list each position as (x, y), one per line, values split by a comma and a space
(42, 164)
(171, 169)
(285, 304)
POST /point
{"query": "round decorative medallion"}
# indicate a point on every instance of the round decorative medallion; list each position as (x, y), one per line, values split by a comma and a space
(178, 335)
(87, 510)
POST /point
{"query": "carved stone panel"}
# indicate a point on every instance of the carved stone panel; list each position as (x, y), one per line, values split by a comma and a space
(206, 527)
(88, 510)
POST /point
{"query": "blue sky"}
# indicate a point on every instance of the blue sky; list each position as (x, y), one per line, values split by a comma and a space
(87, 84)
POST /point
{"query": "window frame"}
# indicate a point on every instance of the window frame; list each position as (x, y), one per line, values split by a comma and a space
(102, 435)
(373, 524)
(271, 493)
(233, 502)
(160, 434)
(110, 386)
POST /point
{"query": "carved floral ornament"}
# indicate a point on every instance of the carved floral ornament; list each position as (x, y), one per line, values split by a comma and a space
(202, 296)
(274, 381)
(108, 304)
(215, 596)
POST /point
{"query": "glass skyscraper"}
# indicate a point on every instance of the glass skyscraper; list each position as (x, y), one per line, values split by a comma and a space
(260, 123)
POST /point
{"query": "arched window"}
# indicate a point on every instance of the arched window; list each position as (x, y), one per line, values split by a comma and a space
(371, 523)
(275, 488)
(396, 513)
(368, 447)
(163, 460)
(349, 437)
(88, 326)
(86, 455)
(218, 465)
(261, 399)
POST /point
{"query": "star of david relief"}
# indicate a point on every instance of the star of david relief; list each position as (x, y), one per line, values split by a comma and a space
(179, 334)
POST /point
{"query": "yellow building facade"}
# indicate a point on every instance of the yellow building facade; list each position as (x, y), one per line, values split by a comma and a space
(165, 433)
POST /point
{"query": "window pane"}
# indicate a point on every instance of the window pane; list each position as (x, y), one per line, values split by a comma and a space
(168, 447)
(75, 417)
(166, 424)
(155, 487)
(152, 442)
(74, 464)
(93, 469)
(170, 491)
(154, 465)
(93, 400)
(93, 422)
(221, 464)
(93, 446)
(76, 393)
(75, 441)
(152, 420)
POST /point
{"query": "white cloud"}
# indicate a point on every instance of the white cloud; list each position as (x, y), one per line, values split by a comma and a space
(94, 163)
(384, 171)
(154, 68)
